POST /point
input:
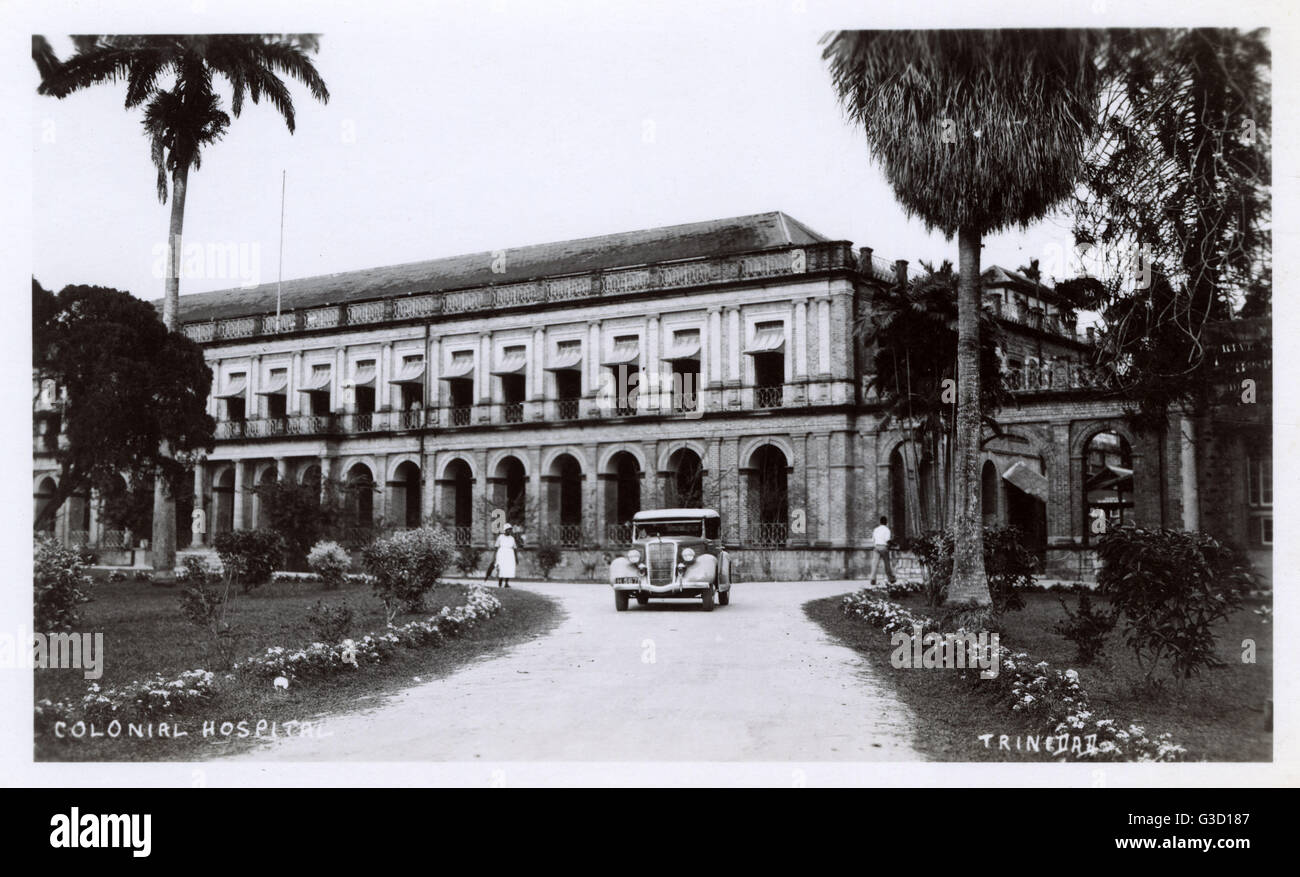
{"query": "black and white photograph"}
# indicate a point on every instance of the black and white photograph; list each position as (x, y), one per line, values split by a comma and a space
(512, 394)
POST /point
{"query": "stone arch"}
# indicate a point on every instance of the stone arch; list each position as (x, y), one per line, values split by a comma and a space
(667, 449)
(447, 459)
(404, 492)
(397, 460)
(552, 454)
(609, 452)
(750, 447)
(494, 461)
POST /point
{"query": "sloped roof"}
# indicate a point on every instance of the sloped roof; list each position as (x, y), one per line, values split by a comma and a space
(712, 238)
(996, 275)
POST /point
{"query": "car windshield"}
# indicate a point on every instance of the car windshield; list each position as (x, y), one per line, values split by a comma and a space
(648, 529)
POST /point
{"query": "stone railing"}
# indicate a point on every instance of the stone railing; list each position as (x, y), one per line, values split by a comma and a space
(1059, 376)
(785, 261)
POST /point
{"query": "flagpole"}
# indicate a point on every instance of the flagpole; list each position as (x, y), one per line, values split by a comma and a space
(279, 278)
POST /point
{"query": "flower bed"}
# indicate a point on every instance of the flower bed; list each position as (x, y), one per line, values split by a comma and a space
(158, 697)
(1053, 697)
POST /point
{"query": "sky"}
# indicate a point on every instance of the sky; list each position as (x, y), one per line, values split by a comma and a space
(488, 126)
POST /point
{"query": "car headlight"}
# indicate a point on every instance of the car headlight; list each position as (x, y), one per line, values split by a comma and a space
(688, 554)
(633, 555)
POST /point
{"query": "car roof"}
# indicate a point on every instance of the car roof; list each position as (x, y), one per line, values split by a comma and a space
(674, 515)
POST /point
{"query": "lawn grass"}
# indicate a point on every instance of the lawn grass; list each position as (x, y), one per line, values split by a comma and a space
(1217, 716)
(144, 633)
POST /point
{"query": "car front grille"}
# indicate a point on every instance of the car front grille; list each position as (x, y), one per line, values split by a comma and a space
(661, 559)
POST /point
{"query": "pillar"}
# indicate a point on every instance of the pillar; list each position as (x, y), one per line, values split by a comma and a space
(237, 501)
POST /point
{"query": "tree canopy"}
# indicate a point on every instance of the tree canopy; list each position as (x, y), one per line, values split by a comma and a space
(125, 384)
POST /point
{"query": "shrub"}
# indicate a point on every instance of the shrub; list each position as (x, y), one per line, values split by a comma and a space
(1171, 588)
(330, 622)
(329, 561)
(249, 556)
(548, 558)
(468, 559)
(117, 576)
(61, 584)
(1086, 627)
(204, 606)
(296, 512)
(194, 571)
(1008, 566)
(406, 565)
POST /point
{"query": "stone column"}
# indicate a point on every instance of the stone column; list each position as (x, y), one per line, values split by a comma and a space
(381, 498)
(338, 377)
(799, 339)
(237, 501)
(383, 372)
(295, 381)
(800, 485)
(252, 401)
(483, 379)
(200, 502)
(593, 498)
(591, 358)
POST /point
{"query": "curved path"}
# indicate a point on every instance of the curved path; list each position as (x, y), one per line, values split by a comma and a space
(756, 681)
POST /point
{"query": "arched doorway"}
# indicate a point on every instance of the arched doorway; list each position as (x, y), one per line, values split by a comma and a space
(268, 477)
(404, 508)
(510, 490)
(564, 501)
(622, 496)
(359, 497)
(769, 497)
(1107, 485)
(223, 501)
(898, 495)
(457, 485)
(989, 493)
(685, 487)
(44, 495)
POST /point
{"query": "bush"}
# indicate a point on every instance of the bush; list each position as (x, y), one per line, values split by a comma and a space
(406, 565)
(468, 559)
(296, 512)
(330, 622)
(1086, 627)
(548, 558)
(60, 586)
(249, 556)
(329, 561)
(1008, 566)
(194, 571)
(1171, 587)
(204, 606)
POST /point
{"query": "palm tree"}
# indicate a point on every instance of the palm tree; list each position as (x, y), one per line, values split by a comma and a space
(976, 131)
(910, 338)
(172, 77)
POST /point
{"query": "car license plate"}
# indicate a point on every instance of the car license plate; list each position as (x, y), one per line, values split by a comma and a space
(627, 581)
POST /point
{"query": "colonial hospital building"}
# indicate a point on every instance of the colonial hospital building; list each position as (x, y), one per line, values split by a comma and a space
(564, 386)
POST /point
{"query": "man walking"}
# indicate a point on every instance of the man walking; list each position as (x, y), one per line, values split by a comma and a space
(880, 538)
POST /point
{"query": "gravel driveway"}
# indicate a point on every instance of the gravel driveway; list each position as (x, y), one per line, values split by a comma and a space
(756, 680)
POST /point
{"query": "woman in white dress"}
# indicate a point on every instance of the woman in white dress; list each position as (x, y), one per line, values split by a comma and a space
(505, 562)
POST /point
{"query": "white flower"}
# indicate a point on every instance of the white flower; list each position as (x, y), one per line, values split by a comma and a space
(281, 682)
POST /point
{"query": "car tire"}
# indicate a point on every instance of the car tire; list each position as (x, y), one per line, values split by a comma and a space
(641, 601)
(620, 601)
(724, 597)
(707, 597)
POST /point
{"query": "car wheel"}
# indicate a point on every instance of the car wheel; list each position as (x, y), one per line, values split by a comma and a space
(724, 597)
(641, 601)
(708, 599)
(620, 601)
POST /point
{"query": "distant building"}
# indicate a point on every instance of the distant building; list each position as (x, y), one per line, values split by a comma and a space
(565, 386)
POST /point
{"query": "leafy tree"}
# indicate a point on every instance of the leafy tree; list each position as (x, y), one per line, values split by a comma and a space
(296, 512)
(173, 77)
(130, 385)
(1180, 172)
(976, 131)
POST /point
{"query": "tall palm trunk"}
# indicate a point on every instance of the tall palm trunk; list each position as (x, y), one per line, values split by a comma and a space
(164, 504)
(968, 585)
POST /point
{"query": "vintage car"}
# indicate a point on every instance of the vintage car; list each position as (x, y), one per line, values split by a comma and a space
(674, 553)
